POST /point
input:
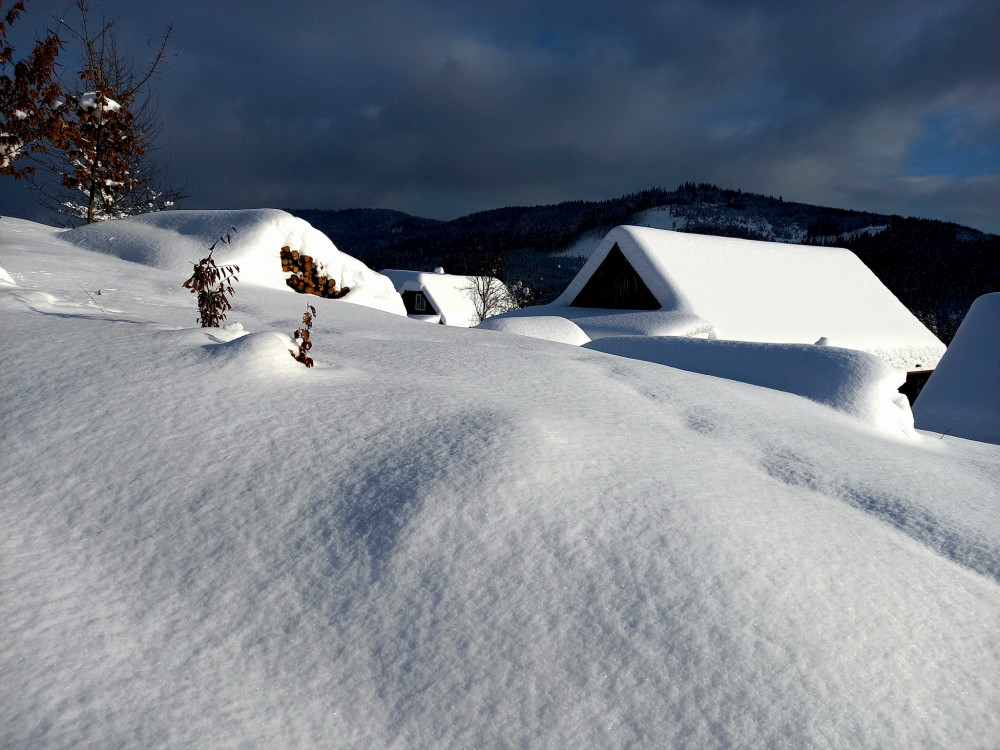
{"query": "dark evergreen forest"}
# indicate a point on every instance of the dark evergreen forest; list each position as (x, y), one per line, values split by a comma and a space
(935, 268)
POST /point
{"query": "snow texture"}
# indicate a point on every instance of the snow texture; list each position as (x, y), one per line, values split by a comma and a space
(962, 396)
(549, 328)
(852, 382)
(745, 290)
(174, 240)
(439, 537)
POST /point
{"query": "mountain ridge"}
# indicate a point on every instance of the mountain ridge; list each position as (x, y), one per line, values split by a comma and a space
(935, 268)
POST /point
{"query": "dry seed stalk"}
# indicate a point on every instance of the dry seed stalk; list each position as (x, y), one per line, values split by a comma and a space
(301, 337)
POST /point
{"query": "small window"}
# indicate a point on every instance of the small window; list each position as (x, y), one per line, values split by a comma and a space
(419, 302)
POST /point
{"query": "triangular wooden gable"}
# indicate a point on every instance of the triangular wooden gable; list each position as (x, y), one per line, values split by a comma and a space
(417, 303)
(615, 285)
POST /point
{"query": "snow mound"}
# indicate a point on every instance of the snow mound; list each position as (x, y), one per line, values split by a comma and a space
(551, 328)
(962, 396)
(266, 353)
(173, 240)
(5, 277)
(852, 382)
(598, 324)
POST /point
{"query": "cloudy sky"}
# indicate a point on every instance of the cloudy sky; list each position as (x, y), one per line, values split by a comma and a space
(443, 108)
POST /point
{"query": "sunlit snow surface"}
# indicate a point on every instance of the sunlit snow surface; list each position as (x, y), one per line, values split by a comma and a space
(549, 327)
(441, 537)
(853, 382)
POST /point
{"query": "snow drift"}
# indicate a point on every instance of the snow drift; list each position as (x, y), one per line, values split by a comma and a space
(598, 324)
(440, 537)
(173, 240)
(849, 381)
(551, 328)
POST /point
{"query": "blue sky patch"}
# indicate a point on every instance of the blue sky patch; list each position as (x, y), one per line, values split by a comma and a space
(955, 144)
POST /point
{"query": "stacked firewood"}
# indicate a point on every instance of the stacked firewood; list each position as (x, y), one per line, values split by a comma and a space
(307, 275)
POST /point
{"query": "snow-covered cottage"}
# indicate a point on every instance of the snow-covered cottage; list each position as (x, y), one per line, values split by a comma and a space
(655, 282)
(962, 397)
(438, 297)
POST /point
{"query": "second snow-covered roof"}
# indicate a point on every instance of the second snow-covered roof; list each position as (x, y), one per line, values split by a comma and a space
(767, 292)
(449, 294)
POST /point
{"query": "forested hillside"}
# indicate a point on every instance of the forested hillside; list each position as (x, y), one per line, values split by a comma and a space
(935, 268)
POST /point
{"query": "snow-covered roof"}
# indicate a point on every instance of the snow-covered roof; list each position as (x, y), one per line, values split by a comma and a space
(449, 294)
(745, 290)
(962, 397)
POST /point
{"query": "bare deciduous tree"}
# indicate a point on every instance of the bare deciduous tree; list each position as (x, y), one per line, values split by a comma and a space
(103, 159)
(30, 99)
(486, 290)
(490, 296)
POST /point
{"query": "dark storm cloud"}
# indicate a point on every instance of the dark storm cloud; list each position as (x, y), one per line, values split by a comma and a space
(448, 107)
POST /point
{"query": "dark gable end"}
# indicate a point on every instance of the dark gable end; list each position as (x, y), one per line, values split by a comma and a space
(915, 382)
(416, 303)
(615, 285)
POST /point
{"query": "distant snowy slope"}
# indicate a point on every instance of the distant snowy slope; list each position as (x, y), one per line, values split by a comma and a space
(719, 219)
(721, 216)
(442, 537)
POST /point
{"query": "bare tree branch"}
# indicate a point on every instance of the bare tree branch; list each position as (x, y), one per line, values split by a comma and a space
(102, 163)
(30, 98)
(490, 296)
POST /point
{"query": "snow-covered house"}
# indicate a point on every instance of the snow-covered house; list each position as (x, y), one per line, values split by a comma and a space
(438, 297)
(655, 282)
(962, 397)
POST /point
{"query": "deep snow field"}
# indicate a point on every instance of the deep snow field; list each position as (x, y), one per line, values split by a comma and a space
(442, 537)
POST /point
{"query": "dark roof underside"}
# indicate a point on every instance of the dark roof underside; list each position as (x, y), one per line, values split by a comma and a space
(615, 285)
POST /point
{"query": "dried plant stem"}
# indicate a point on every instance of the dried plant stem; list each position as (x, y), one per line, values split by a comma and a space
(96, 302)
(302, 338)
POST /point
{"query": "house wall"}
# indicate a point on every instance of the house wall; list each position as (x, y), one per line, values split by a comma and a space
(410, 299)
(616, 285)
